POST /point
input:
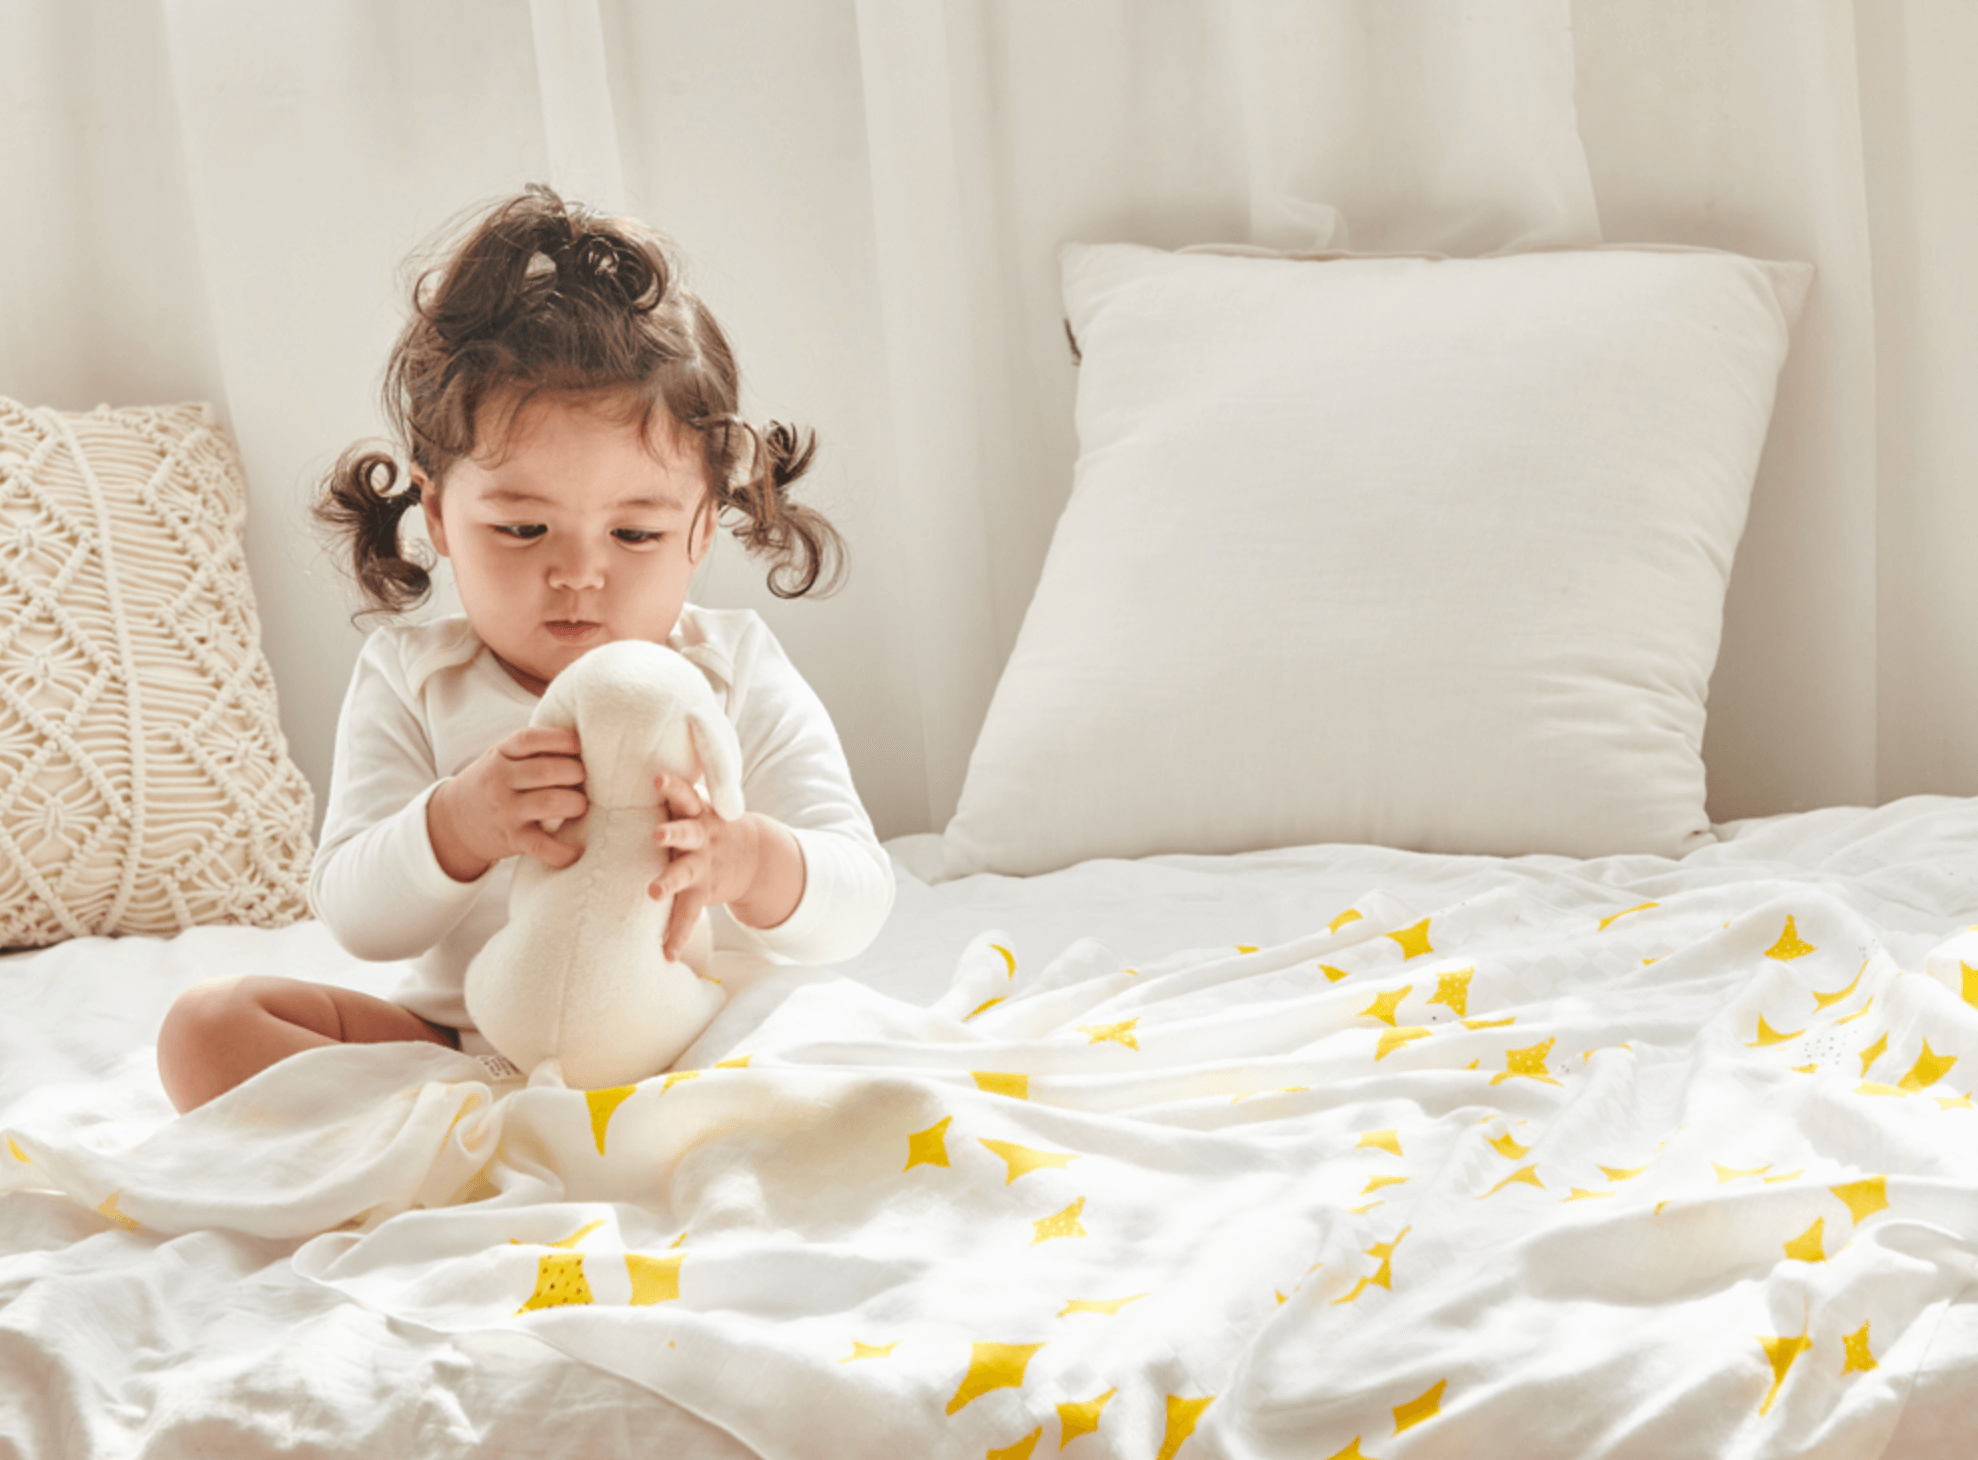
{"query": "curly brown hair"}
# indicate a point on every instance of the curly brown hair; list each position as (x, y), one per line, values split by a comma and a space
(545, 296)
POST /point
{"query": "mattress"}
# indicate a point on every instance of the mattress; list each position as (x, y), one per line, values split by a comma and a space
(1326, 1151)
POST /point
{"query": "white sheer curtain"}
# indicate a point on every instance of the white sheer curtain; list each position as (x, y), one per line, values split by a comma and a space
(212, 198)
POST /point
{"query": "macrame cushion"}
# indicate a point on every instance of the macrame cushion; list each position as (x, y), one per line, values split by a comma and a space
(144, 782)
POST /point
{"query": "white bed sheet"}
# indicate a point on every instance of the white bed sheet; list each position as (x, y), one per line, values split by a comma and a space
(116, 1342)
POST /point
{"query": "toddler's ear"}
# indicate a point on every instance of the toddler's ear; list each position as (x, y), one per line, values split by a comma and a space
(721, 759)
(429, 503)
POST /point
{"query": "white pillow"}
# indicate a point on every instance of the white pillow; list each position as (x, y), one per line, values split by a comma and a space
(1426, 553)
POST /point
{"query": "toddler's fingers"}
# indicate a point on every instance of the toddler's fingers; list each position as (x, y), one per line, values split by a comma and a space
(681, 873)
(552, 803)
(540, 740)
(546, 770)
(680, 926)
(549, 851)
(680, 836)
(677, 798)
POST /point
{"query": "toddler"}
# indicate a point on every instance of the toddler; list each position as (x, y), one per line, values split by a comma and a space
(569, 412)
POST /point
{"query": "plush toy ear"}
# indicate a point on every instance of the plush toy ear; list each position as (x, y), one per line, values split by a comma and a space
(721, 759)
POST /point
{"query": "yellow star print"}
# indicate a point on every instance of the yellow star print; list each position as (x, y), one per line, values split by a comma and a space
(1524, 1175)
(1859, 1358)
(1733, 1173)
(1120, 1033)
(1386, 1140)
(1790, 945)
(1383, 1276)
(1970, 988)
(1828, 1000)
(1393, 1039)
(1453, 991)
(1768, 1035)
(1928, 1069)
(1081, 1419)
(1384, 1005)
(869, 1351)
(559, 1281)
(1182, 1415)
(1021, 1449)
(1807, 1246)
(603, 1103)
(1622, 1173)
(1613, 918)
(1863, 1198)
(1423, 1407)
(1333, 975)
(928, 1147)
(14, 1150)
(992, 1366)
(654, 1279)
(1874, 1052)
(1375, 1183)
(982, 1008)
(1022, 1160)
(1413, 942)
(1508, 1148)
(1009, 960)
(1000, 1082)
(1782, 1352)
(108, 1208)
(1061, 1224)
(1351, 1452)
(1528, 1062)
(1108, 1306)
(1351, 915)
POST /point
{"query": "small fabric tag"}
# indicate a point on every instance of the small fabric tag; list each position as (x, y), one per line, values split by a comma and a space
(499, 1066)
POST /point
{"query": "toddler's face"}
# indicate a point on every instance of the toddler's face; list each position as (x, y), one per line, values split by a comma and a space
(580, 531)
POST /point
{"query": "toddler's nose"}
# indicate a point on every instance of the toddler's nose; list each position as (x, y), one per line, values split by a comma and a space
(578, 567)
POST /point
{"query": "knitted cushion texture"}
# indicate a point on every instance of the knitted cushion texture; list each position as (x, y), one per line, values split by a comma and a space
(144, 782)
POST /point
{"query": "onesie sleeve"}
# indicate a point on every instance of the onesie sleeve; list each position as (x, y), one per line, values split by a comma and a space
(376, 883)
(794, 771)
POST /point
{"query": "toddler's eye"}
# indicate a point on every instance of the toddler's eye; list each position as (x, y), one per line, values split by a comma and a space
(524, 530)
(636, 534)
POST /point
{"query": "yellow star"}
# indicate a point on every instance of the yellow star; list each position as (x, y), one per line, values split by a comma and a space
(1970, 983)
(1581, 1194)
(678, 1077)
(14, 1150)
(1859, 1357)
(559, 1281)
(983, 1007)
(1351, 915)
(992, 1366)
(1424, 1406)
(1120, 1033)
(602, 1104)
(1022, 1160)
(1080, 1419)
(1524, 1175)
(1850, 1018)
(1508, 1148)
(1622, 1173)
(1612, 918)
(1413, 942)
(1828, 1000)
(1863, 1198)
(1874, 1051)
(1393, 1039)
(1384, 1005)
(1182, 1415)
(1732, 1173)
(654, 1279)
(1768, 1035)
(1453, 991)
(1784, 1176)
(1950, 1102)
(869, 1351)
(1108, 1306)
(1021, 1449)
(928, 1147)
(1386, 1140)
(1351, 1452)
(1009, 960)
(1529, 1062)
(1782, 1352)
(1489, 1023)
(1383, 1276)
(1375, 1183)
(108, 1208)
(1807, 1246)
(1333, 975)
(577, 1236)
(1060, 1224)
(1928, 1069)
(999, 1082)
(1871, 1087)
(1246, 947)
(1789, 945)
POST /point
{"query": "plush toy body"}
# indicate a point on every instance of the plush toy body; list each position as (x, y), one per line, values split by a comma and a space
(578, 975)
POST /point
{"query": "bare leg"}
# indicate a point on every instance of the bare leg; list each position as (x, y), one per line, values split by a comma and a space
(218, 1034)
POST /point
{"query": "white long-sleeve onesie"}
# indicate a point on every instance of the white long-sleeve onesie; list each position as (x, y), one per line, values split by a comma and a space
(426, 700)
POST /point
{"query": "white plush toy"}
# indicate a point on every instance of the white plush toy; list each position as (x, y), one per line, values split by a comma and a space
(578, 974)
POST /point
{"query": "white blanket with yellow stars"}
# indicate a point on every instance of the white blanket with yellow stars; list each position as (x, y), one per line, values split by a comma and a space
(1522, 1175)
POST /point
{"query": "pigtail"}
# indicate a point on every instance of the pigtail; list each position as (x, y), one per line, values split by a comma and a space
(362, 502)
(804, 547)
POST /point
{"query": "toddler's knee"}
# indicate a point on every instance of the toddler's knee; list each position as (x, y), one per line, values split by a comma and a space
(202, 1022)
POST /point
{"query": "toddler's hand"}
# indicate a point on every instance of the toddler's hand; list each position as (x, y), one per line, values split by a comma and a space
(709, 860)
(495, 808)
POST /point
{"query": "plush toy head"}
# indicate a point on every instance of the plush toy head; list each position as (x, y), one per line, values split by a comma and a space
(577, 974)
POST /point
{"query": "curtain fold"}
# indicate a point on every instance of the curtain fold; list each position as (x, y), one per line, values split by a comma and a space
(216, 199)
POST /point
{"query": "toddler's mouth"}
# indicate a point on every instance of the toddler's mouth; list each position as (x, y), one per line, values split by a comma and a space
(571, 630)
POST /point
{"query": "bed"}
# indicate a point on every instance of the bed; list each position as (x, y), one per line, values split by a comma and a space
(1364, 1070)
